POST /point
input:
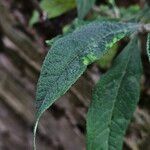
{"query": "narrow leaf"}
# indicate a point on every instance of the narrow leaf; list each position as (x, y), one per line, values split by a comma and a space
(148, 46)
(69, 57)
(114, 101)
(83, 7)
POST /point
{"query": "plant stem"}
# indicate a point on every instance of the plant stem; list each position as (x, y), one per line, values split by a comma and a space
(144, 28)
(147, 27)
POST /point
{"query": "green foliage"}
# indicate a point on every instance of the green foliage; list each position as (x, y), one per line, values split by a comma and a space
(143, 15)
(129, 12)
(114, 100)
(83, 42)
(77, 23)
(83, 7)
(53, 8)
(70, 55)
(57, 7)
(148, 46)
(106, 60)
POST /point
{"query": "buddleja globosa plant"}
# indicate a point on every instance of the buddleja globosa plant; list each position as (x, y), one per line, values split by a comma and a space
(116, 94)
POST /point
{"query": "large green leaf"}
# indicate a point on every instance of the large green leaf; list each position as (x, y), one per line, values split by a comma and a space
(114, 100)
(70, 55)
(83, 7)
(148, 46)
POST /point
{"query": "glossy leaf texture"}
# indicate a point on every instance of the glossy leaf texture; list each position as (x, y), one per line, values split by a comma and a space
(114, 100)
(83, 7)
(69, 56)
(148, 46)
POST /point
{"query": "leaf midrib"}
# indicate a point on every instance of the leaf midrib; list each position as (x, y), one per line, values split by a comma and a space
(121, 79)
(118, 89)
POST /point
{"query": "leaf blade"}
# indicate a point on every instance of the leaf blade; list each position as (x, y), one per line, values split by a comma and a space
(107, 117)
(69, 57)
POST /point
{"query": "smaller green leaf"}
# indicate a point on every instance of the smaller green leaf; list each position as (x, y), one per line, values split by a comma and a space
(148, 46)
(53, 8)
(114, 100)
(83, 7)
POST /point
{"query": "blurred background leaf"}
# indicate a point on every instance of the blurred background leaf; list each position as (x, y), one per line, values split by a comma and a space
(83, 7)
(53, 8)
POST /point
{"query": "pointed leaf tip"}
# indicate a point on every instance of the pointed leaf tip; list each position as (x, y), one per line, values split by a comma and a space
(69, 56)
